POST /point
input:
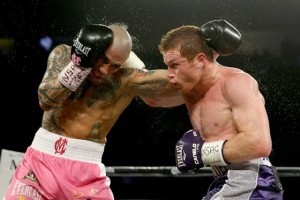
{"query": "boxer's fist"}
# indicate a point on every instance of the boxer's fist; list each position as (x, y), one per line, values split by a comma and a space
(193, 153)
(188, 152)
(89, 44)
(221, 36)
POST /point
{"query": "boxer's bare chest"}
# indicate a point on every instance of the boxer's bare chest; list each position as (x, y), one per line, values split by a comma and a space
(211, 115)
(90, 114)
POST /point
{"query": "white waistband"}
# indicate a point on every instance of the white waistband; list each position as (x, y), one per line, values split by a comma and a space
(64, 147)
(262, 161)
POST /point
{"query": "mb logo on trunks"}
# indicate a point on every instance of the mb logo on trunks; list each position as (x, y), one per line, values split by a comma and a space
(60, 146)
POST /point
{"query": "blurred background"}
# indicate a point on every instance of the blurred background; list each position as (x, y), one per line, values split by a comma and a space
(145, 136)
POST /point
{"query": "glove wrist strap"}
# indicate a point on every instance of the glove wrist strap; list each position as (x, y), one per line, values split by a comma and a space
(134, 61)
(72, 76)
(212, 153)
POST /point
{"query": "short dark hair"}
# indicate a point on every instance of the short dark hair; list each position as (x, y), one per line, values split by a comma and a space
(189, 39)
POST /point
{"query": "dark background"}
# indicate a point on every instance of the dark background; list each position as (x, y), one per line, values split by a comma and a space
(270, 52)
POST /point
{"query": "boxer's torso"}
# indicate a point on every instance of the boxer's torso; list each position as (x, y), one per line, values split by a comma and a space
(91, 114)
(212, 115)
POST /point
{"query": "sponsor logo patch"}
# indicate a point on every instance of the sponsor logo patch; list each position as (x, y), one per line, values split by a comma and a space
(60, 146)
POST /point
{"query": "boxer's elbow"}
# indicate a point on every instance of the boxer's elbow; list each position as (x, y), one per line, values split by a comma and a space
(262, 148)
(264, 151)
(44, 106)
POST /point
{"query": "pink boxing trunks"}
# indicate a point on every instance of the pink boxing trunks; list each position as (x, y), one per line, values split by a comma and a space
(60, 168)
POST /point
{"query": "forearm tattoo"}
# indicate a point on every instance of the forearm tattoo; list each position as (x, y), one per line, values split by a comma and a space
(51, 92)
(151, 84)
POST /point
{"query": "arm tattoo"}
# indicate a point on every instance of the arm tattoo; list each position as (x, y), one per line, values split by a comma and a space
(51, 92)
(50, 121)
(150, 86)
(95, 133)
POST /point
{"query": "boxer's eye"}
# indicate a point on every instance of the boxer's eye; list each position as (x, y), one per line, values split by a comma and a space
(116, 66)
(173, 66)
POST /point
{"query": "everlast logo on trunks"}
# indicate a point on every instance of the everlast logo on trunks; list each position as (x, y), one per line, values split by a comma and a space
(23, 190)
(60, 146)
(83, 49)
(180, 155)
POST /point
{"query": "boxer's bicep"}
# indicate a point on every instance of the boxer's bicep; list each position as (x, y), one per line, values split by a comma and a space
(249, 115)
(241, 94)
